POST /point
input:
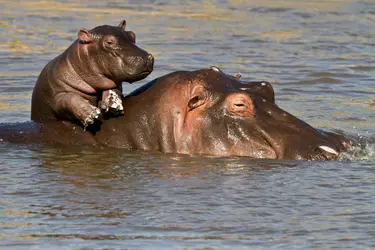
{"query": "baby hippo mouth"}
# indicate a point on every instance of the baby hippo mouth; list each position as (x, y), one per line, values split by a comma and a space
(138, 76)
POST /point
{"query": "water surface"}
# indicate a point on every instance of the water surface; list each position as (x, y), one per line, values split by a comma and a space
(317, 54)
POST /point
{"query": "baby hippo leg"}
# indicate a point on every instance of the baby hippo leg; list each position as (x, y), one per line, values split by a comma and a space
(74, 107)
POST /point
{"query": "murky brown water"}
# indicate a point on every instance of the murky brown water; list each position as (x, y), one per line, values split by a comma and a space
(319, 55)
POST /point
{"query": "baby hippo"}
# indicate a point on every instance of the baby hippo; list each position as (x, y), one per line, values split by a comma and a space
(89, 74)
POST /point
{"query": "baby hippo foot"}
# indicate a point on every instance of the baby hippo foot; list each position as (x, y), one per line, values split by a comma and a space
(91, 114)
(112, 102)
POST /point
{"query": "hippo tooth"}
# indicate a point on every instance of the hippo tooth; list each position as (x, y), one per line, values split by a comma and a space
(243, 88)
(329, 150)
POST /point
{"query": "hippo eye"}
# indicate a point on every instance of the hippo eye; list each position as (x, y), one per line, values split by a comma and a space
(110, 42)
(239, 105)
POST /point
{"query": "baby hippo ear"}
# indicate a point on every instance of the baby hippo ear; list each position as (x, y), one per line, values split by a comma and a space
(84, 36)
(122, 24)
(131, 36)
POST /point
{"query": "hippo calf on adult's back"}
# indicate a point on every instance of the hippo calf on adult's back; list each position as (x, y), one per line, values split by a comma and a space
(70, 86)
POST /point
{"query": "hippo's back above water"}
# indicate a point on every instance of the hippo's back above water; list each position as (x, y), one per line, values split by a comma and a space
(203, 112)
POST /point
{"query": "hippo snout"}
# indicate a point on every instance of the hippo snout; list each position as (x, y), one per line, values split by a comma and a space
(142, 66)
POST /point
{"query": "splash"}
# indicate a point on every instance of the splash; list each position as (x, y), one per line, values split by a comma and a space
(363, 149)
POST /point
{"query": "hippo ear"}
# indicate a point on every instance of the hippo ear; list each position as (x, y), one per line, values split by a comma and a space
(214, 68)
(237, 76)
(131, 36)
(122, 24)
(84, 36)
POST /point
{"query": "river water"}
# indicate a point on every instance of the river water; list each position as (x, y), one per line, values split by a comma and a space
(319, 56)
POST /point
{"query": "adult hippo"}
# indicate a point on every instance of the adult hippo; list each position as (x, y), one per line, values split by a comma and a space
(203, 112)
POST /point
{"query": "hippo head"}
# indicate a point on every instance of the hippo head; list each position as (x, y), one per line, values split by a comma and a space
(111, 51)
(211, 113)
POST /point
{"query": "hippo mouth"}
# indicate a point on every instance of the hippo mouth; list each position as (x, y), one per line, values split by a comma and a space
(139, 76)
(323, 153)
(273, 153)
(129, 78)
(144, 68)
(310, 153)
(326, 146)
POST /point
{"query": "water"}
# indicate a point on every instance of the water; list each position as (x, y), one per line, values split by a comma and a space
(317, 54)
